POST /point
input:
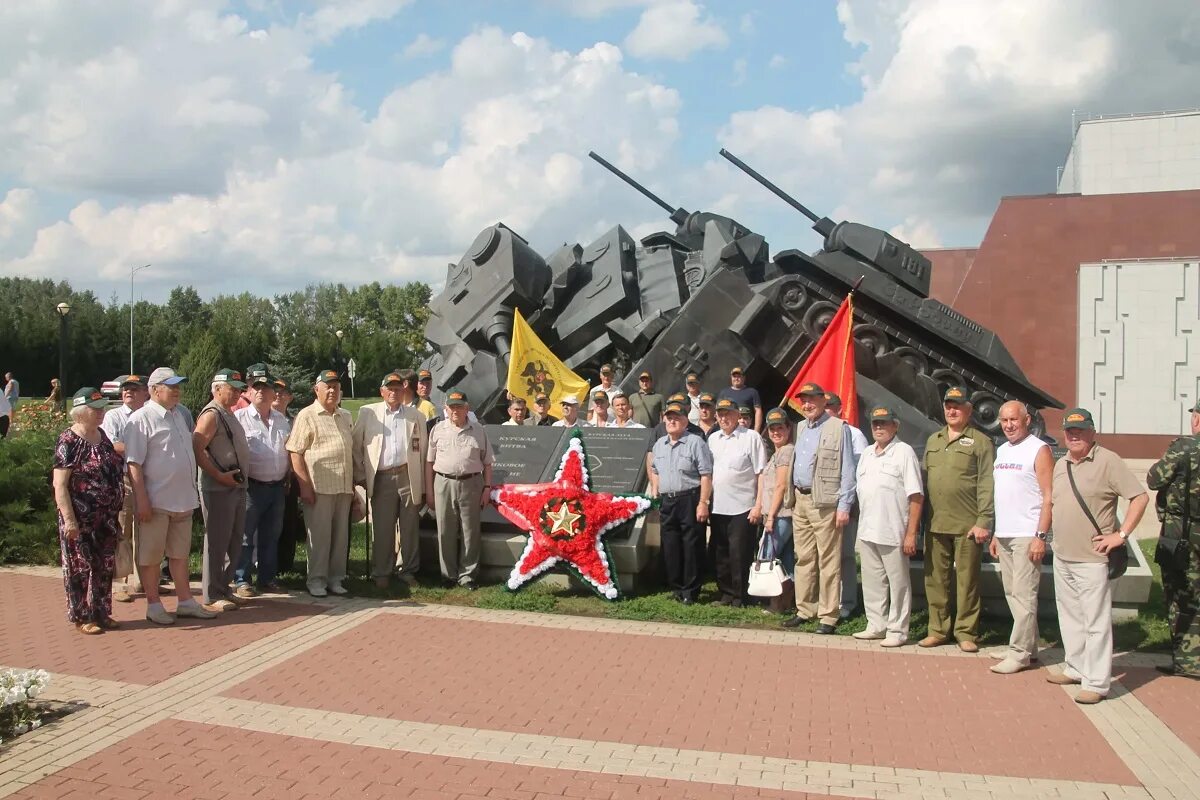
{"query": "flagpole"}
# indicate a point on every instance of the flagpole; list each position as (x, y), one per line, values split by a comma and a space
(849, 334)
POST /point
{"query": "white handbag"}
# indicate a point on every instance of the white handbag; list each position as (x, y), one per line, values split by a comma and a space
(766, 573)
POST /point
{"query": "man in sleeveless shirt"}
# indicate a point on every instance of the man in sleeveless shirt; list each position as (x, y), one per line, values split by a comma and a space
(1021, 474)
(222, 455)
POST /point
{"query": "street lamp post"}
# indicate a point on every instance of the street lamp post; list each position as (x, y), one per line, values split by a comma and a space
(132, 271)
(63, 310)
(337, 353)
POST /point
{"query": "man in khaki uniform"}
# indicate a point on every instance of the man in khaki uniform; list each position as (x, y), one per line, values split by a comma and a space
(957, 470)
(390, 443)
(322, 446)
(458, 467)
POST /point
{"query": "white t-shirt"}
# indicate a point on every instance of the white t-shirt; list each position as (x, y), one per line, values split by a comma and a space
(738, 459)
(632, 423)
(1018, 496)
(885, 482)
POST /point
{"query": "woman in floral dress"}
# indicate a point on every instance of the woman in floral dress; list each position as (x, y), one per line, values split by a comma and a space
(88, 493)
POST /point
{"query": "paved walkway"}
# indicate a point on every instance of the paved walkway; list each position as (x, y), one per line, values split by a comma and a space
(290, 698)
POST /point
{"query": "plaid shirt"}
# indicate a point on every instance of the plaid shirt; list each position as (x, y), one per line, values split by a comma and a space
(324, 439)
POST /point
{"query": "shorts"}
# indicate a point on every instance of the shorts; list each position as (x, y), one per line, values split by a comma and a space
(167, 532)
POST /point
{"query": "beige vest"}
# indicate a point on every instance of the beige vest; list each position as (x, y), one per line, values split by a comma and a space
(228, 448)
(827, 472)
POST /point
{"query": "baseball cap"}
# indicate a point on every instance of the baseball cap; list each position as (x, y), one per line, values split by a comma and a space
(391, 377)
(678, 397)
(834, 399)
(258, 373)
(674, 408)
(882, 414)
(955, 394)
(542, 397)
(745, 410)
(136, 380)
(230, 376)
(777, 416)
(725, 404)
(570, 400)
(424, 375)
(736, 371)
(706, 399)
(328, 376)
(810, 388)
(282, 386)
(600, 394)
(1079, 418)
(645, 374)
(692, 378)
(606, 369)
(456, 398)
(88, 396)
(165, 375)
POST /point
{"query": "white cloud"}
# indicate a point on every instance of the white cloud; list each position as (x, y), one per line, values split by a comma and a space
(920, 233)
(424, 45)
(333, 17)
(674, 30)
(778, 61)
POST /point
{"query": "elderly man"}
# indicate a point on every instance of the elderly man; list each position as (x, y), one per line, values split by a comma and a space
(739, 458)
(1176, 478)
(322, 449)
(708, 415)
(742, 395)
(957, 466)
(680, 475)
(623, 413)
(541, 411)
(647, 405)
(133, 397)
(517, 411)
(606, 382)
(850, 534)
(223, 457)
(267, 433)
(458, 468)
(162, 471)
(390, 443)
(889, 500)
(691, 385)
(570, 412)
(1021, 476)
(1087, 483)
(599, 417)
(819, 487)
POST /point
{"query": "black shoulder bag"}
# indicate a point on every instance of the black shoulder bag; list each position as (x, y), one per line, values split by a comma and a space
(1118, 557)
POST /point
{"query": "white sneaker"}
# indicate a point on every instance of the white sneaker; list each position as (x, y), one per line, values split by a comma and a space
(159, 615)
(336, 588)
(868, 635)
(1002, 654)
(893, 641)
(194, 610)
(317, 590)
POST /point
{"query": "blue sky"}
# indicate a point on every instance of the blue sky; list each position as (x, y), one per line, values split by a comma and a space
(264, 144)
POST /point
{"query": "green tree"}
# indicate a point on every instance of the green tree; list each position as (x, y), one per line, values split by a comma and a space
(199, 364)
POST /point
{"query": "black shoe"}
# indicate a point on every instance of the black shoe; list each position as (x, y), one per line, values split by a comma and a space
(795, 621)
(469, 584)
(825, 629)
(449, 584)
(724, 601)
(736, 603)
(678, 596)
(688, 601)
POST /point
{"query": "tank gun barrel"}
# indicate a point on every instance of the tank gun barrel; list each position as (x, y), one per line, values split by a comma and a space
(822, 225)
(678, 215)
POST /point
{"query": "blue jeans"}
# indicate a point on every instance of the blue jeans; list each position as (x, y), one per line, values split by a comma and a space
(785, 545)
(264, 521)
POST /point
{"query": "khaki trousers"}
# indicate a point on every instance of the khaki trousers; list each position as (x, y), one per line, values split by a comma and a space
(126, 556)
(1084, 600)
(327, 525)
(457, 511)
(1021, 577)
(392, 505)
(887, 588)
(958, 555)
(818, 543)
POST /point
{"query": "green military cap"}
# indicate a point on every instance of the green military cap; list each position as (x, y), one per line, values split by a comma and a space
(1079, 418)
(955, 394)
(745, 410)
(810, 388)
(678, 397)
(88, 396)
(777, 416)
(134, 380)
(230, 376)
(282, 386)
(707, 399)
(391, 377)
(882, 414)
(675, 408)
(328, 376)
(456, 398)
(725, 404)
(424, 375)
(692, 378)
(258, 373)
(736, 371)
(542, 397)
(834, 399)
(600, 394)
(644, 374)
(606, 369)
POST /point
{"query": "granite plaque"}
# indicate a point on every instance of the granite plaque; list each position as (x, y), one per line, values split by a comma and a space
(617, 458)
(524, 453)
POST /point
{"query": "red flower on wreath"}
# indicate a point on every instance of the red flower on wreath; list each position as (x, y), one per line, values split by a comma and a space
(566, 522)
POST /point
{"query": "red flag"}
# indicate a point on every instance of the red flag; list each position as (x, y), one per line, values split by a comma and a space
(831, 363)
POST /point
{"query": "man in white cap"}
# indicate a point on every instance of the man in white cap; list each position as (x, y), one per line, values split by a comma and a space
(570, 412)
(162, 470)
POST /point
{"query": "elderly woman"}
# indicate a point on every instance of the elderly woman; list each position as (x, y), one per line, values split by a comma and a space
(88, 493)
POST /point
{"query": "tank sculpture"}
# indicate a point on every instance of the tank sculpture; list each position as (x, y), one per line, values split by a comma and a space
(707, 297)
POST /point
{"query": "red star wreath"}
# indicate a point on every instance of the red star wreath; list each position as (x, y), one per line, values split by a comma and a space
(567, 521)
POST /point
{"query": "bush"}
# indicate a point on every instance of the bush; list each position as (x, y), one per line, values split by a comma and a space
(28, 518)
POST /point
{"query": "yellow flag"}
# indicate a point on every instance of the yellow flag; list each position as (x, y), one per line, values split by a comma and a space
(533, 369)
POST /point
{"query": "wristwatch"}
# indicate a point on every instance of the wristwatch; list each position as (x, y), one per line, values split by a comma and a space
(1040, 535)
(1124, 536)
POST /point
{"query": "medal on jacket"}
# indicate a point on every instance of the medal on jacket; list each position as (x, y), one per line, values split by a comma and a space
(416, 445)
(966, 441)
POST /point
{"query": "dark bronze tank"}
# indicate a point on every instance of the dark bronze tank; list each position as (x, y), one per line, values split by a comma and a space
(707, 297)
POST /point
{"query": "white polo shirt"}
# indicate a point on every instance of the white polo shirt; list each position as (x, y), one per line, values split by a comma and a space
(885, 481)
(738, 459)
(267, 442)
(160, 441)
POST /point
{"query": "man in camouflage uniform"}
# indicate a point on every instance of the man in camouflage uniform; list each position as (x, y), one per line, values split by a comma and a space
(1176, 478)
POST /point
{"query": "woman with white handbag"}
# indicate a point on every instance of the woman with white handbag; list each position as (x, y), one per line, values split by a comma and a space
(777, 531)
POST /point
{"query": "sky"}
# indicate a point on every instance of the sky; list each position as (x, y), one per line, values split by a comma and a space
(262, 145)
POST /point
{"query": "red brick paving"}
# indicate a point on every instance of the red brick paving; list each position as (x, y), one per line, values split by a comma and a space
(1175, 701)
(844, 706)
(34, 632)
(186, 760)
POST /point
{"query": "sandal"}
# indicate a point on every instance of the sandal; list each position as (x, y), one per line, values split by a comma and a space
(89, 628)
(109, 624)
